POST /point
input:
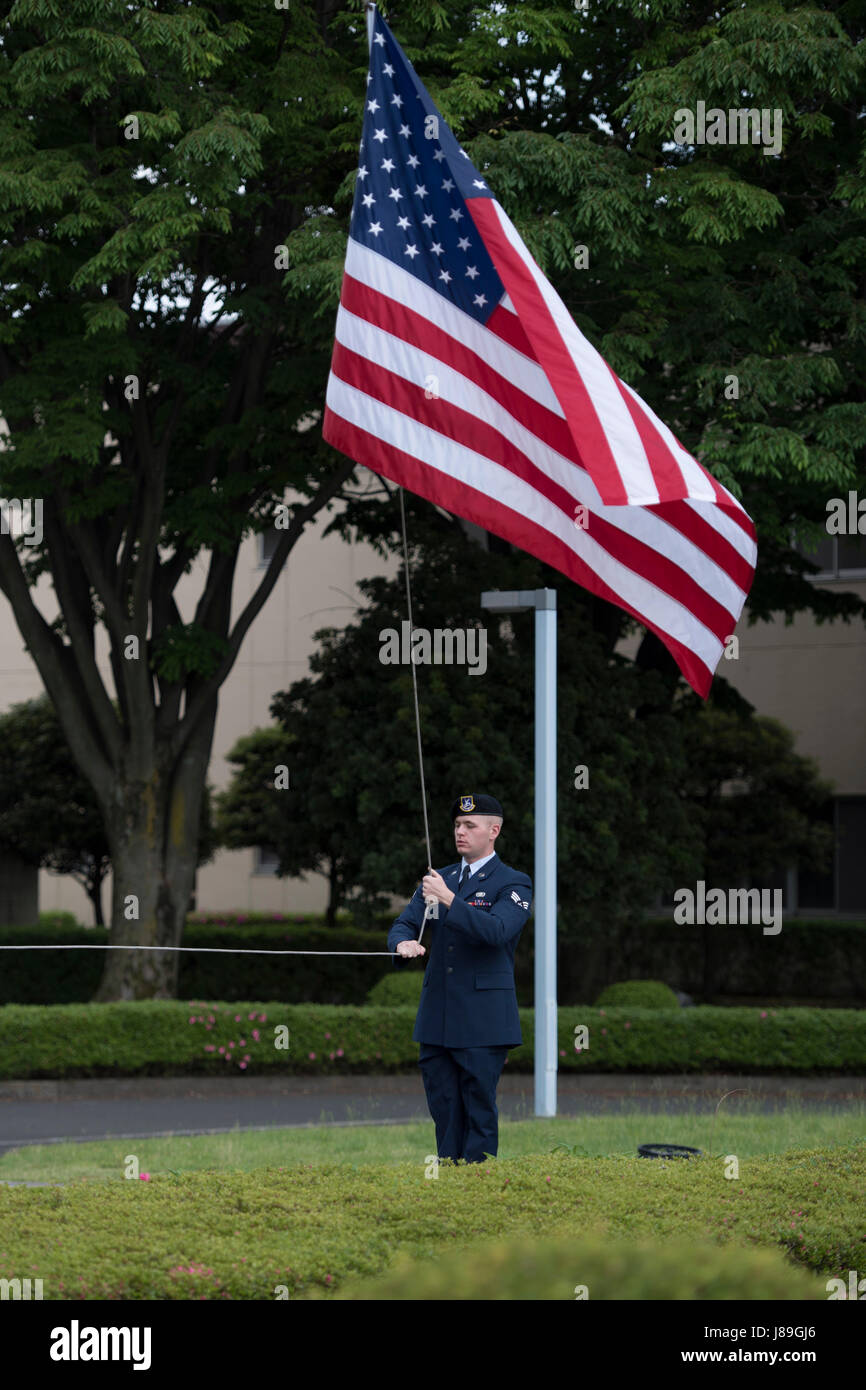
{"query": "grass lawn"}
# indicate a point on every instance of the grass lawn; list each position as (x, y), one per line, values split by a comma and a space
(740, 1129)
(312, 1212)
(318, 1229)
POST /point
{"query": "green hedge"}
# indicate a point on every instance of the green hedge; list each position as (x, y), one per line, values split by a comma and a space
(400, 987)
(167, 1038)
(638, 994)
(821, 960)
(72, 977)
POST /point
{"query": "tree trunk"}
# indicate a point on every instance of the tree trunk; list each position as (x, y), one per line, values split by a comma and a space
(154, 851)
(94, 893)
(333, 893)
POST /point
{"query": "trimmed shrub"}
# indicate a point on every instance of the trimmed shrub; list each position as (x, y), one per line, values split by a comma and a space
(400, 987)
(824, 961)
(638, 994)
(302, 1230)
(556, 1269)
(72, 977)
(168, 1038)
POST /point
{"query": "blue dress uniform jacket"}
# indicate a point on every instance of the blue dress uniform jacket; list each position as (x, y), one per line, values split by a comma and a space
(468, 997)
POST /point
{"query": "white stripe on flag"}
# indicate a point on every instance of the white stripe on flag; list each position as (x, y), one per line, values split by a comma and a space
(612, 411)
(392, 281)
(466, 466)
(414, 364)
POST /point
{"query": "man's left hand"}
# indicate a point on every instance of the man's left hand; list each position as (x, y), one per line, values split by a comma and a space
(433, 886)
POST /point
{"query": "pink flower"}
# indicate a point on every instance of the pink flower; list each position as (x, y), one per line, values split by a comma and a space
(247, 1057)
(242, 1065)
(263, 1017)
(327, 1035)
(231, 1044)
(222, 1049)
(379, 1055)
(628, 1025)
(328, 1279)
(211, 1019)
(604, 1030)
(145, 1177)
(250, 1015)
(192, 1020)
(312, 1056)
(339, 1052)
(256, 1034)
(561, 1052)
(209, 1047)
(763, 1013)
(243, 1042)
(208, 1027)
(601, 1011)
(330, 1056)
(237, 1018)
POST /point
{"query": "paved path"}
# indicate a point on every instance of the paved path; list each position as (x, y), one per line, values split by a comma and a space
(51, 1112)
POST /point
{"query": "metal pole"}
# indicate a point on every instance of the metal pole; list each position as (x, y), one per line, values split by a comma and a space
(371, 23)
(545, 853)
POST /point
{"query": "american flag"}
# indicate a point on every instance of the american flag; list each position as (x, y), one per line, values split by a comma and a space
(458, 373)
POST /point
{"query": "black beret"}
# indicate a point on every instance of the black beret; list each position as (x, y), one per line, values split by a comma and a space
(483, 805)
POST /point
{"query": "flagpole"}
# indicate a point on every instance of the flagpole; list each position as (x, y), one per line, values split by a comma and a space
(432, 909)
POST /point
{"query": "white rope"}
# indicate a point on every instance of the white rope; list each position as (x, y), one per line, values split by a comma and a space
(217, 950)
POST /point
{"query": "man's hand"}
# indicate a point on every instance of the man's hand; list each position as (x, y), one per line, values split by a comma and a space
(410, 948)
(433, 886)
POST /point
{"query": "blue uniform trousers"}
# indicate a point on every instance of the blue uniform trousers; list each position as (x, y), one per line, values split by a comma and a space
(461, 1093)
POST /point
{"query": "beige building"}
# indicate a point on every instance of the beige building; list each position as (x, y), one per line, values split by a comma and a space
(811, 677)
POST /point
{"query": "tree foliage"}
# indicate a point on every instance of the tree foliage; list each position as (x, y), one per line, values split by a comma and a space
(158, 353)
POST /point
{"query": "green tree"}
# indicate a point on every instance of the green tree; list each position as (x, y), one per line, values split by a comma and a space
(153, 163)
(157, 356)
(348, 737)
(669, 791)
(757, 801)
(48, 813)
(726, 286)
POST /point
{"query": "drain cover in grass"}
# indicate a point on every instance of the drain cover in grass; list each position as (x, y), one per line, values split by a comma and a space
(667, 1151)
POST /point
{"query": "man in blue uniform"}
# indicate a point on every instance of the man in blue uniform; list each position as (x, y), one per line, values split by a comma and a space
(467, 1019)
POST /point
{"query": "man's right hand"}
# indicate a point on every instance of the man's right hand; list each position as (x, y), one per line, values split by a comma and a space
(410, 948)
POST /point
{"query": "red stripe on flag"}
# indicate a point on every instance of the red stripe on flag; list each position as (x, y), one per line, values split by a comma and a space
(552, 431)
(550, 351)
(486, 512)
(452, 421)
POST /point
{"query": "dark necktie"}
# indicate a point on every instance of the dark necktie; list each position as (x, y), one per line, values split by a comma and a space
(463, 877)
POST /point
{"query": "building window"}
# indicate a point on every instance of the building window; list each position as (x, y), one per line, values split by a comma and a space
(850, 860)
(837, 557)
(266, 861)
(843, 887)
(267, 542)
